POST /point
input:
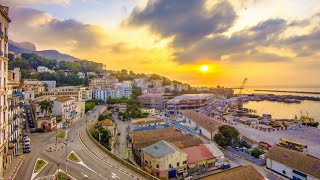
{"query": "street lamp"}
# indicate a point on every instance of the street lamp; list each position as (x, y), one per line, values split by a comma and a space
(66, 143)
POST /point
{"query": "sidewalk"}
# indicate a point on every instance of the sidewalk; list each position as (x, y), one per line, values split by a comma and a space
(13, 167)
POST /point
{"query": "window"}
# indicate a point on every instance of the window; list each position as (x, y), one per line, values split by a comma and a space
(284, 172)
(178, 164)
(184, 162)
(158, 166)
(170, 166)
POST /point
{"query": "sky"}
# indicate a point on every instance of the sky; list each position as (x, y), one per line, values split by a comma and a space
(270, 42)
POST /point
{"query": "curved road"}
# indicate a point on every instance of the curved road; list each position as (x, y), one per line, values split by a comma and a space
(97, 164)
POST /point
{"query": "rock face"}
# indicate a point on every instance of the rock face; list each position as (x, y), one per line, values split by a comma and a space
(28, 47)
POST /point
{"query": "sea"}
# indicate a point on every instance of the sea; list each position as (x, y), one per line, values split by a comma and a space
(285, 110)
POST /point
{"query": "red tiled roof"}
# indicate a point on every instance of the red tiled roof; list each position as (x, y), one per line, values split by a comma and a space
(197, 153)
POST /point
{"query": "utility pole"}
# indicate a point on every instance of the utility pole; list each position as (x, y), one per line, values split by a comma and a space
(66, 143)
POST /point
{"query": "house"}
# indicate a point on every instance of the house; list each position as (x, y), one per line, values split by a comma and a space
(150, 111)
(204, 125)
(81, 75)
(113, 93)
(48, 123)
(78, 92)
(156, 83)
(164, 160)
(43, 69)
(291, 164)
(237, 173)
(199, 158)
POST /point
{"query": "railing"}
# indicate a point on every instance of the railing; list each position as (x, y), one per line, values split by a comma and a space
(127, 164)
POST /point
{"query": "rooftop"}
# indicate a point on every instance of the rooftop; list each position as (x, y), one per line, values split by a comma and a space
(191, 97)
(143, 121)
(238, 173)
(296, 160)
(197, 153)
(161, 149)
(202, 120)
(151, 95)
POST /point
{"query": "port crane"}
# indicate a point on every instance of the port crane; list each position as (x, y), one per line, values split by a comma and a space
(243, 84)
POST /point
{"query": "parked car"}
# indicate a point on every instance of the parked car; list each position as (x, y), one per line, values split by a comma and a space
(26, 149)
(225, 166)
(26, 140)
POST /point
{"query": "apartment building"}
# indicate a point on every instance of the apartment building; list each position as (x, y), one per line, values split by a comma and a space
(153, 100)
(97, 83)
(15, 98)
(4, 26)
(81, 75)
(113, 93)
(66, 108)
(78, 92)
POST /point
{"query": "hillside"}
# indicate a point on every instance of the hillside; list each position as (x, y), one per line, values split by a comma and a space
(27, 47)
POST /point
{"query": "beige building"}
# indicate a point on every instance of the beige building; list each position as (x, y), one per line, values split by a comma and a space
(97, 83)
(164, 160)
(32, 88)
(78, 92)
(4, 26)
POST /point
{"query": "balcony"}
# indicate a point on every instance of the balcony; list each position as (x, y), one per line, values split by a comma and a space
(1, 34)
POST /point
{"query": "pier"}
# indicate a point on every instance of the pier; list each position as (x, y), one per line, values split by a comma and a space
(302, 92)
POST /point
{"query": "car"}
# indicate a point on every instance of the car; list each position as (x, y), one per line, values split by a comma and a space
(236, 148)
(26, 150)
(225, 166)
(26, 140)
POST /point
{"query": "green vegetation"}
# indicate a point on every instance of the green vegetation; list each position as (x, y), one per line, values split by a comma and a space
(103, 136)
(73, 157)
(226, 136)
(89, 105)
(256, 152)
(46, 106)
(62, 176)
(62, 135)
(39, 165)
(104, 116)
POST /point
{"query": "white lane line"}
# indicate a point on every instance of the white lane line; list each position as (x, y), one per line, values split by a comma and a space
(101, 158)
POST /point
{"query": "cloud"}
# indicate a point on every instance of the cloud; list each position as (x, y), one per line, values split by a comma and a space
(14, 3)
(187, 21)
(39, 27)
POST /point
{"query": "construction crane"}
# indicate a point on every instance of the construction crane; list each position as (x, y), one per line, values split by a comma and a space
(243, 84)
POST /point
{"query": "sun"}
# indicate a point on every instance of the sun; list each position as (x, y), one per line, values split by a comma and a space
(204, 68)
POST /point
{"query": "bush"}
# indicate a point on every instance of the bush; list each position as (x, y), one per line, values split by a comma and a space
(89, 105)
(74, 157)
(62, 135)
(227, 136)
(39, 164)
(62, 176)
(256, 152)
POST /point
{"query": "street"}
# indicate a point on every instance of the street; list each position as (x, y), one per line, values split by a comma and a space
(96, 163)
(123, 128)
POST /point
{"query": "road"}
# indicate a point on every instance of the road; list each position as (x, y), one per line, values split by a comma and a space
(97, 165)
(123, 128)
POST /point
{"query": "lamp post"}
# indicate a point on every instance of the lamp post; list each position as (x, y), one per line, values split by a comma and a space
(66, 143)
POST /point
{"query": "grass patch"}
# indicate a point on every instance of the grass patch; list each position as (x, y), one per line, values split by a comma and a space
(62, 176)
(62, 135)
(73, 157)
(39, 165)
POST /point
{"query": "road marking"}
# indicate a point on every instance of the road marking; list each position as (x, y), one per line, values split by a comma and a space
(84, 175)
(114, 176)
(101, 158)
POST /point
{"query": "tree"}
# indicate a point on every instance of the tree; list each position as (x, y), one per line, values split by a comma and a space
(46, 106)
(104, 136)
(226, 136)
(256, 152)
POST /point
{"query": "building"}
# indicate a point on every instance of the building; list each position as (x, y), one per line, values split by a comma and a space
(111, 127)
(142, 124)
(43, 69)
(203, 124)
(66, 108)
(15, 98)
(164, 160)
(153, 100)
(32, 88)
(182, 87)
(142, 139)
(150, 111)
(94, 74)
(111, 79)
(97, 83)
(91, 65)
(291, 164)
(156, 83)
(4, 29)
(78, 92)
(112, 93)
(237, 173)
(50, 84)
(189, 101)
(141, 82)
(81, 75)
(48, 123)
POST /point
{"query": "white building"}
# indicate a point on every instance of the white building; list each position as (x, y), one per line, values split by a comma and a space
(113, 93)
(81, 75)
(4, 26)
(78, 92)
(65, 107)
(42, 69)
(50, 84)
(291, 164)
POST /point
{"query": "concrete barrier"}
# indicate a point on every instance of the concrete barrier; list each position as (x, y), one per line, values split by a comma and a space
(126, 163)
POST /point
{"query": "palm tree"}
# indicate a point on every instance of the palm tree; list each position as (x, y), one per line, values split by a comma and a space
(46, 106)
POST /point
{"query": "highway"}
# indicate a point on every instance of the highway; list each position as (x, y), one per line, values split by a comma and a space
(96, 163)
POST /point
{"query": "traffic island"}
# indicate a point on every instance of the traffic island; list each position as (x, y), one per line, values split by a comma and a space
(39, 165)
(74, 157)
(62, 135)
(61, 175)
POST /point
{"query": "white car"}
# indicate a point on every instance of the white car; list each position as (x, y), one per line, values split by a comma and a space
(26, 140)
